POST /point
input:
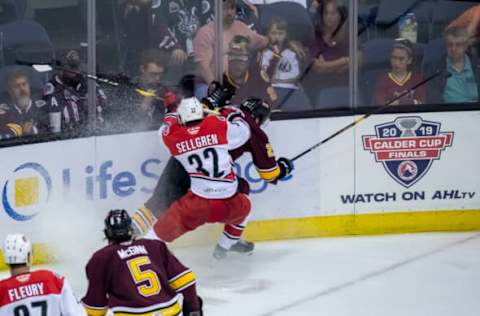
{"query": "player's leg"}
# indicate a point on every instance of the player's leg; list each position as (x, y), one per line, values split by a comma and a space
(184, 215)
(237, 214)
(172, 185)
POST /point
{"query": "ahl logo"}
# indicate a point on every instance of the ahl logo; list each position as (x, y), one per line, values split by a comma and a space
(407, 147)
(27, 192)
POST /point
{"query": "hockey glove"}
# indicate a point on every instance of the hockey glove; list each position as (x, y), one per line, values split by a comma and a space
(286, 167)
(218, 97)
(187, 312)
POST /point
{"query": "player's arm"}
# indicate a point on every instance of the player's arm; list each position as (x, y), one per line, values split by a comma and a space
(95, 301)
(268, 167)
(70, 305)
(238, 132)
(182, 280)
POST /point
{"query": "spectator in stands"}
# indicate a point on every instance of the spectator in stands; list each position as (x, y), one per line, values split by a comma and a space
(463, 85)
(470, 20)
(130, 111)
(330, 49)
(8, 127)
(66, 93)
(283, 66)
(245, 77)
(204, 43)
(400, 78)
(175, 24)
(31, 115)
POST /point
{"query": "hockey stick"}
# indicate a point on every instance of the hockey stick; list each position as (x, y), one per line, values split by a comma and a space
(45, 67)
(378, 110)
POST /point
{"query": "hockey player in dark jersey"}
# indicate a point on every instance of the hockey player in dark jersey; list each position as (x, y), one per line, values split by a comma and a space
(137, 277)
(175, 182)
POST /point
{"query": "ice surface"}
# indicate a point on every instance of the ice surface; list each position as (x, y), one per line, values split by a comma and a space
(416, 275)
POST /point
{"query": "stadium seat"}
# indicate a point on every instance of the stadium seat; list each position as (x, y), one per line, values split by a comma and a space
(445, 12)
(367, 82)
(337, 97)
(25, 40)
(36, 79)
(300, 25)
(8, 11)
(390, 11)
(435, 50)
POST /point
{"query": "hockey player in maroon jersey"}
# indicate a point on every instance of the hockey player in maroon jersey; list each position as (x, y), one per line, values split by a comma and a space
(137, 277)
(26, 292)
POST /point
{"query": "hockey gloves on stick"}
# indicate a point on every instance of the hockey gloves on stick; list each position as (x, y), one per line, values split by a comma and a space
(218, 97)
(286, 167)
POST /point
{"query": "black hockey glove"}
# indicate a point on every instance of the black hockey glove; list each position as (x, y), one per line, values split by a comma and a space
(187, 312)
(218, 97)
(286, 167)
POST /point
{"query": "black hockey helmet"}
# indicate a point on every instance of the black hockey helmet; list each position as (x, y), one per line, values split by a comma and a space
(257, 108)
(118, 226)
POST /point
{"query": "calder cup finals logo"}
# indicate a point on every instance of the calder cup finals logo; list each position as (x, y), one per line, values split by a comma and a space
(407, 147)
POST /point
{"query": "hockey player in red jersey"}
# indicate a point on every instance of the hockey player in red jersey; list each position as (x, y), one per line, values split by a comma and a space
(137, 277)
(175, 182)
(202, 144)
(26, 292)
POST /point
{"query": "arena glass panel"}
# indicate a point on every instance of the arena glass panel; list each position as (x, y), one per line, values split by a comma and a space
(405, 43)
(43, 50)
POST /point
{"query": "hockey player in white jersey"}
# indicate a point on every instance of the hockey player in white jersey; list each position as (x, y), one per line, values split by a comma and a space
(33, 293)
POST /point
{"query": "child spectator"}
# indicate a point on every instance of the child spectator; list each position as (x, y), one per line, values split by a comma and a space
(280, 62)
(400, 78)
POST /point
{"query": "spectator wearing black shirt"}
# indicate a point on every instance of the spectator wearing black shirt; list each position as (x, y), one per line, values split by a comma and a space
(31, 115)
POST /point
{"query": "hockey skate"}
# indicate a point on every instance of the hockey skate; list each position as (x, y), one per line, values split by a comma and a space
(241, 246)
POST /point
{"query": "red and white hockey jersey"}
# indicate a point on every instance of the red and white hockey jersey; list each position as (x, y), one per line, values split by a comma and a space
(203, 148)
(38, 293)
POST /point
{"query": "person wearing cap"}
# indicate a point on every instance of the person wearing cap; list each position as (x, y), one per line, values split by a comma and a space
(400, 78)
(245, 77)
(67, 92)
(26, 292)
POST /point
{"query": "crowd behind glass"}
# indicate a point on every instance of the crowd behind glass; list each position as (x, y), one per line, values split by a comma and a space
(294, 54)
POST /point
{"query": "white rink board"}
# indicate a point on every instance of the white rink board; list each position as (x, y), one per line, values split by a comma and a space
(92, 175)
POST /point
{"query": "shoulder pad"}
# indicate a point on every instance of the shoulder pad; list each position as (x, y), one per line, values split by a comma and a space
(40, 103)
(48, 89)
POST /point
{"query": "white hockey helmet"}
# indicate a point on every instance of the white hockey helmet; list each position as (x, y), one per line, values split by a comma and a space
(17, 249)
(189, 110)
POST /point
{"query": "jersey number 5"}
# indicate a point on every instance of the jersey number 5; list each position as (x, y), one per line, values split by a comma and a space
(153, 287)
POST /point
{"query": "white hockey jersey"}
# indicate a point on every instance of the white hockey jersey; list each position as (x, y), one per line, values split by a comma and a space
(38, 293)
(202, 149)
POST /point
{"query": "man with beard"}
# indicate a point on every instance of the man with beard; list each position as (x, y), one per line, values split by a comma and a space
(30, 114)
(67, 93)
(130, 111)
